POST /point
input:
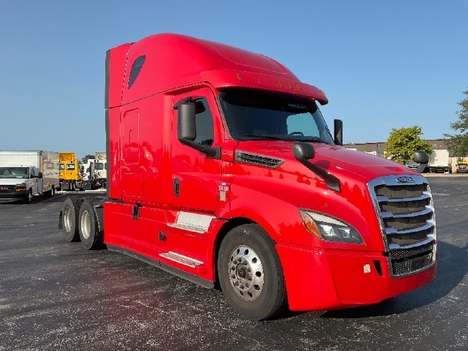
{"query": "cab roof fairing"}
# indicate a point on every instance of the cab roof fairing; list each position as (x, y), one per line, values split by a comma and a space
(174, 60)
(252, 80)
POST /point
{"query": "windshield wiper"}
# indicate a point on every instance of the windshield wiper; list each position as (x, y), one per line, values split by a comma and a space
(286, 138)
(257, 136)
(310, 139)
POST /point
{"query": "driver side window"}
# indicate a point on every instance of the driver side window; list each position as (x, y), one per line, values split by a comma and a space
(204, 122)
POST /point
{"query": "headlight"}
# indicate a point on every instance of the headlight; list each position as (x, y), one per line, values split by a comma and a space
(329, 228)
(20, 187)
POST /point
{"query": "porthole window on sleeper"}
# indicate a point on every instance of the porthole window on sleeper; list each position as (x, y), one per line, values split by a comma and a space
(135, 71)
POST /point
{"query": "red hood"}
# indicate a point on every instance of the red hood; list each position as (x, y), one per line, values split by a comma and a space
(335, 159)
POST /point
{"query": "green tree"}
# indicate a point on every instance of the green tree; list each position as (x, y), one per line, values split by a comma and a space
(403, 142)
(86, 158)
(458, 143)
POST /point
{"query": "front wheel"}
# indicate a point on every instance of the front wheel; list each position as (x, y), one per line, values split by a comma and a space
(250, 273)
(28, 199)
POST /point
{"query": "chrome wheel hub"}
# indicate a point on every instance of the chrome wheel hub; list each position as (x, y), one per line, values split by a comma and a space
(85, 224)
(246, 273)
(67, 220)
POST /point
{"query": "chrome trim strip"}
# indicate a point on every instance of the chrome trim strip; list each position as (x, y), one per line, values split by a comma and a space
(426, 241)
(382, 198)
(390, 215)
(393, 231)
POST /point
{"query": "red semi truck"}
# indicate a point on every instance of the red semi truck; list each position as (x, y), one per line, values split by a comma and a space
(222, 170)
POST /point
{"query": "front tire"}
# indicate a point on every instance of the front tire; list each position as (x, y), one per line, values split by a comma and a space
(250, 273)
(28, 199)
(91, 237)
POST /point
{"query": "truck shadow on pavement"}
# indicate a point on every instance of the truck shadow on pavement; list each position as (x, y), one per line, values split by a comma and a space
(57, 198)
(451, 270)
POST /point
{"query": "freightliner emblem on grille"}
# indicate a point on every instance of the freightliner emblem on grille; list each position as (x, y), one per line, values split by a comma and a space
(405, 179)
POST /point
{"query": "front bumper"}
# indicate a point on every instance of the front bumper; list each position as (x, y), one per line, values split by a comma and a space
(8, 195)
(321, 279)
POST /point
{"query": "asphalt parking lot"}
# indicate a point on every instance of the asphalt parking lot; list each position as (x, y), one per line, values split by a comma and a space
(54, 295)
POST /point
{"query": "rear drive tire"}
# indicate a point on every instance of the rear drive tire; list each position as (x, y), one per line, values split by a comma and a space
(70, 212)
(250, 273)
(91, 237)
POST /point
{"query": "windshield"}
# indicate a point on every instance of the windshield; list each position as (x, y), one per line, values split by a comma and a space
(99, 166)
(253, 116)
(14, 172)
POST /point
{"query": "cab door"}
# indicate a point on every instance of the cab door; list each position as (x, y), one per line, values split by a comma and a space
(36, 180)
(195, 176)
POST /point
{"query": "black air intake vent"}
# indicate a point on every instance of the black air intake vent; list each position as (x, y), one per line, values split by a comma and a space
(258, 160)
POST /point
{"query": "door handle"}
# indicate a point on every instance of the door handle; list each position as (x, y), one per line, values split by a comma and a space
(176, 187)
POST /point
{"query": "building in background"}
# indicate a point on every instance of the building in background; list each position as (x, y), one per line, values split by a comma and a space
(378, 148)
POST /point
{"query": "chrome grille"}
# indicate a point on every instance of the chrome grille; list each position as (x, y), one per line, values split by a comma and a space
(406, 212)
(7, 188)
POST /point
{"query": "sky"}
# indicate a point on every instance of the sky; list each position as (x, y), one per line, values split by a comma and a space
(383, 64)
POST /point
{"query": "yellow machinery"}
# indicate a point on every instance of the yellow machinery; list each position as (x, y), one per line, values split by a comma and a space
(69, 171)
(462, 165)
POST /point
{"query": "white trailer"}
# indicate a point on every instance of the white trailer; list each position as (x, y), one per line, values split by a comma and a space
(100, 167)
(439, 162)
(25, 174)
(90, 181)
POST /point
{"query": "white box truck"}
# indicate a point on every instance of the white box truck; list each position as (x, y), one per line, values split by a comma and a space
(439, 162)
(25, 174)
